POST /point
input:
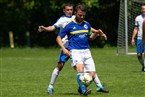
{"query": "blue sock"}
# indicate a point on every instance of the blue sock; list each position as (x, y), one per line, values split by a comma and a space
(82, 87)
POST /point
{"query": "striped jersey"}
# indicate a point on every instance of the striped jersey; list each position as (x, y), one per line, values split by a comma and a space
(77, 34)
(61, 22)
(138, 23)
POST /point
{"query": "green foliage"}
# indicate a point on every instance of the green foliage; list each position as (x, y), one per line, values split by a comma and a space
(27, 72)
(21, 16)
(29, 5)
(91, 3)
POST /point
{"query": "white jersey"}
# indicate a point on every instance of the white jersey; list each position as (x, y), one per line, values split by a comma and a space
(61, 22)
(138, 23)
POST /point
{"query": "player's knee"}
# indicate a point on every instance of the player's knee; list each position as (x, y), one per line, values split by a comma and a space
(79, 68)
(60, 65)
(93, 74)
(139, 55)
(55, 71)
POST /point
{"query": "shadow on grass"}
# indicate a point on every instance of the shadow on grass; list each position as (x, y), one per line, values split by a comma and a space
(77, 94)
(70, 93)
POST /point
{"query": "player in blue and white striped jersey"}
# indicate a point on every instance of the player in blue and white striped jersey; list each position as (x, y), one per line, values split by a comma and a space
(63, 20)
(143, 41)
(143, 36)
(138, 32)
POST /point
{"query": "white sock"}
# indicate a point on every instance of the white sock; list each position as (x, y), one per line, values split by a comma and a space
(54, 76)
(97, 81)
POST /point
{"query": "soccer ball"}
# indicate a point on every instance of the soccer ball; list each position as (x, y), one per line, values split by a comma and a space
(86, 79)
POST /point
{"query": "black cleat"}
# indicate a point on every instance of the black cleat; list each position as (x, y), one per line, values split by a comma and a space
(143, 69)
(88, 91)
(79, 90)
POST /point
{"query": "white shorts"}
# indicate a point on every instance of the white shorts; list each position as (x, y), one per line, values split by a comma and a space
(83, 57)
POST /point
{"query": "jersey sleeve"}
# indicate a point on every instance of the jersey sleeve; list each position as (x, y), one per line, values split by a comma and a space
(59, 23)
(89, 28)
(136, 22)
(63, 32)
(90, 32)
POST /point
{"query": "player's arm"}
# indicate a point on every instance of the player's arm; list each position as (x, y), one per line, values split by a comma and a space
(56, 25)
(59, 41)
(49, 28)
(99, 32)
(60, 35)
(93, 36)
(135, 30)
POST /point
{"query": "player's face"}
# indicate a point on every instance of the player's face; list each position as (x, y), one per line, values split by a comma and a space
(68, 10)
(143, 9)
(80, 15)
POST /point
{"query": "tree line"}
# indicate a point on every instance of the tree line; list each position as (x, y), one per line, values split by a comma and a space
(22, 17)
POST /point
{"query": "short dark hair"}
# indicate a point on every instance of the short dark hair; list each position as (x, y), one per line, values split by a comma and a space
(81, 7)
(143, 4)
(67, 4)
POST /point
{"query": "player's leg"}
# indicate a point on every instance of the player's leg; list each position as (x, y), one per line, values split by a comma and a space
(139, 50)
(143, 69)
(141, 59)
(82, 89)
(77, 64)
(55, 73)
(90, 67)
(143, 55)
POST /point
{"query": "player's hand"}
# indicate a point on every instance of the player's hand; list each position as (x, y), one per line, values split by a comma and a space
(41, 28)
(103, 35)
(66, 52)
(133, 42)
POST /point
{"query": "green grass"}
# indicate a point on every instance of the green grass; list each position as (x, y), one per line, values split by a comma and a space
(27, 72)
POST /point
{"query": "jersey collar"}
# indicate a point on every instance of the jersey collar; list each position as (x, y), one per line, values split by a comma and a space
(68, 16)
(143, 15)
(77, 22)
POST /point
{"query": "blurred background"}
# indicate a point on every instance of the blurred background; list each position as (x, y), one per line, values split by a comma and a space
(21, 18)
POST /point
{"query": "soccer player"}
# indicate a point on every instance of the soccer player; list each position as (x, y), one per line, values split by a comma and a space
(143, 36)
(79, 33)
(63, 20)
(138, 32)
(143, 40)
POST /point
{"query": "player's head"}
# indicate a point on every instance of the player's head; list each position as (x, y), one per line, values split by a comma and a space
(143, 9)
(80, 12)
(68, 9)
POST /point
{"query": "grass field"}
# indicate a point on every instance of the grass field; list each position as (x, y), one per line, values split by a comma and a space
(27, 72)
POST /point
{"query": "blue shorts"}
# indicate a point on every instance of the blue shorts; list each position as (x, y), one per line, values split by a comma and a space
(139, 48)
(62, 57)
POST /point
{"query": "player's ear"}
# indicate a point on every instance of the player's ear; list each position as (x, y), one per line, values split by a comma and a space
(64, 10)
(75, 12)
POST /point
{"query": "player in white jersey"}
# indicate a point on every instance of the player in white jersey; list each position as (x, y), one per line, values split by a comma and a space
(78, 32)
(67, 17)
(63, 20)
(143, 39)
(138, 32)
(143, 36)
